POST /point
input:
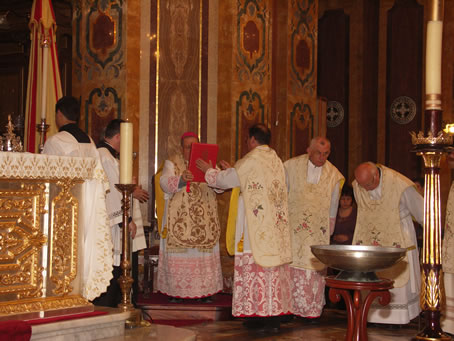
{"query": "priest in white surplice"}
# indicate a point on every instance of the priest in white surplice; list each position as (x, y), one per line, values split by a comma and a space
(189, 264)
(262, 242)
(314, 185)
(109, 150)
(387, 200)
(96, 245)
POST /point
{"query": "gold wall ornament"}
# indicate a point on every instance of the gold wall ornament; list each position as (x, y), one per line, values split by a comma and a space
(63, 239)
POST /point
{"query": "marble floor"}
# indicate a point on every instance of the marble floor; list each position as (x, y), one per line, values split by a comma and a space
(332, 327)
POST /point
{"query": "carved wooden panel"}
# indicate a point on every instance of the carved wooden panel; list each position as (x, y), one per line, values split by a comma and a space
(404, 84)
(333, 81)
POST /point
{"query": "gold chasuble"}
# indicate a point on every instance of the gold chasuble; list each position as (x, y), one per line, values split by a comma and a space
(448, 240)
(309, 206)
(262, 180)
(378, 221)
(192, 219)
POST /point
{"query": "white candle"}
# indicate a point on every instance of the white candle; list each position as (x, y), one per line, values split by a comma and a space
(126, 152)
(433, 57)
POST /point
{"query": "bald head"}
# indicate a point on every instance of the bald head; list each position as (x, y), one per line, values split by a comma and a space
(367, 176)
(319, 150)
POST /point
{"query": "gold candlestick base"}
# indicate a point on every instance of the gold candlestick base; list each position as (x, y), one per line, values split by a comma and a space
(42, 130)
(125, 279)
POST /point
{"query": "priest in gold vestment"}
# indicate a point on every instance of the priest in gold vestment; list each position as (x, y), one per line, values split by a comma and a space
(387, 200)
(189, 259)
(314, 188)
(262, 240)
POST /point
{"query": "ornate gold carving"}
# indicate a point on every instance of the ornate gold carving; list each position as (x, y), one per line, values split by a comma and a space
(63, 239)
(8, 308)
(21, 240)
(431, 290)
(441, 138)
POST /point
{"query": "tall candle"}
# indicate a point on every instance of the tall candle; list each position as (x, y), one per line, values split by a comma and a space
(126, 135)
(433, 57)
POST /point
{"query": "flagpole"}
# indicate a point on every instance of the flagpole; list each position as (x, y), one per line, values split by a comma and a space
(42, 127)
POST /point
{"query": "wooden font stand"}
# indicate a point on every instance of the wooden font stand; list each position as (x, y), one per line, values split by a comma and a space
(357, 309)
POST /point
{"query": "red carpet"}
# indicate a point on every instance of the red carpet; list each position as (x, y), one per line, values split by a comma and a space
(219, 300)
(15, 331)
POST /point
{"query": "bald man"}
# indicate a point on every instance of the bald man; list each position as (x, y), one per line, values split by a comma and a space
(387, 200)
(314, 186)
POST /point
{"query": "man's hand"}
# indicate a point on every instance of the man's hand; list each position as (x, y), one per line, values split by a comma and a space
(132, 229)
(140, 194)
(224, 165)
(203, 165)
(187, 176)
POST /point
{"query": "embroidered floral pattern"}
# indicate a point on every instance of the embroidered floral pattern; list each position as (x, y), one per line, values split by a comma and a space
(254, 186)
(256, 209)
(192, 218)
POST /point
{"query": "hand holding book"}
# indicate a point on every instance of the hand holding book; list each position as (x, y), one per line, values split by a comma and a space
(203, 165)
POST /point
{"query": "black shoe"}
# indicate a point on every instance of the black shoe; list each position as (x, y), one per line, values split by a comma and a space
(175, 300)
(208, 299)
(311, 320)
(273, 326)
(254, 324)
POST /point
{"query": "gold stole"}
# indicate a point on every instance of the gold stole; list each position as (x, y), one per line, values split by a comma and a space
(309, 206)
(378, 222)
(192, 218)
(448, 240)
(262, 179)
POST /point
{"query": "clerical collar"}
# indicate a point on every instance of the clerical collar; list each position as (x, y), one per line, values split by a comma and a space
(104, 144)
(312, 165)
(75, 131)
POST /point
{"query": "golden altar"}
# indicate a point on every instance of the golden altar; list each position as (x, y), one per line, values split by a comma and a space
(40, 251)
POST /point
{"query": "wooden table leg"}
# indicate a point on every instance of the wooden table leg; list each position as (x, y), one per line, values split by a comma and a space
(384, 297)
(335, 296)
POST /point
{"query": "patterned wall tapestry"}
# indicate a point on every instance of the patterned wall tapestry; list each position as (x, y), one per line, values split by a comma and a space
(251, 62)
(302, 106)
(178, 77)
(99, 62)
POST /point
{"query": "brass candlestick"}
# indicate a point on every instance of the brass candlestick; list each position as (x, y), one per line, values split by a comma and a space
(125, 279)
(42, 129)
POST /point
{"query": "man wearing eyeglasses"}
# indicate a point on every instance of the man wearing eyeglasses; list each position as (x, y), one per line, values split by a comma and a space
(387, 200)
